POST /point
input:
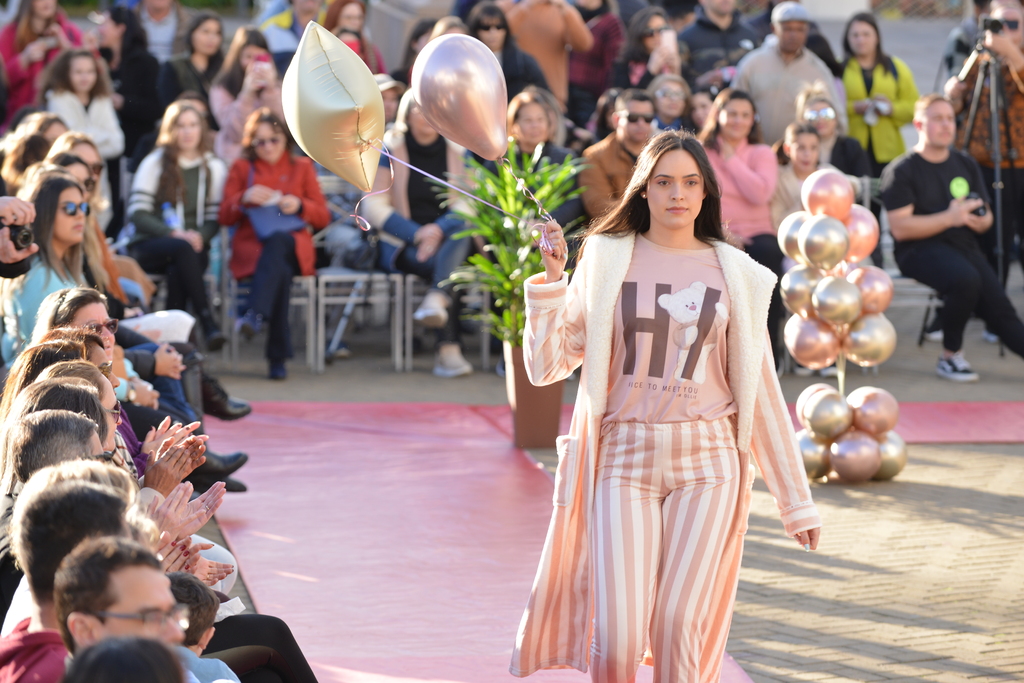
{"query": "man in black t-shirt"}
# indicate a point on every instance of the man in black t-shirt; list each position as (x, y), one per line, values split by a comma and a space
(934, 196)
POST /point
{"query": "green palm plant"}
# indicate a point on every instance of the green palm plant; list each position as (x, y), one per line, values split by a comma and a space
(510, 254)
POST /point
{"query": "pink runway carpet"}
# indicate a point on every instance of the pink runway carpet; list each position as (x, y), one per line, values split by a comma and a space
(978, 422)
(399, 541)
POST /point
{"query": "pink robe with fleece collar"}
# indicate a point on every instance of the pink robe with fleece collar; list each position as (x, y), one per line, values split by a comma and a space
(574, 327)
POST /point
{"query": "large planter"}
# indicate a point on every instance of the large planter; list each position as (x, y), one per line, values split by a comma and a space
(536, 411)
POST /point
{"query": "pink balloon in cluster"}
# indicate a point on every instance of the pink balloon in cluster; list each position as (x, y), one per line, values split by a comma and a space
(856, 456)
(828, 191)
(876, 288)
(862, 227)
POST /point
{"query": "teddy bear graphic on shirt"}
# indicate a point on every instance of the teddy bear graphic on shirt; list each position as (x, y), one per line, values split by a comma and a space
(695, 334)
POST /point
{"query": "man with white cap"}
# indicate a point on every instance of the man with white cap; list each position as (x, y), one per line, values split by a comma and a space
(775, 73)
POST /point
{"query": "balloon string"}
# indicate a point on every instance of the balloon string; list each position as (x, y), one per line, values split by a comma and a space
(362, 222)
(522, 187)
(383, 150)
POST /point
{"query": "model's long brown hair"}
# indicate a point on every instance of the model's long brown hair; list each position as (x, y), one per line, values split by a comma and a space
(633, 215)
(171, 187)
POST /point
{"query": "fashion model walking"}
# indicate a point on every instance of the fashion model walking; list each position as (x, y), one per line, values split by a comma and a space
(678, 391)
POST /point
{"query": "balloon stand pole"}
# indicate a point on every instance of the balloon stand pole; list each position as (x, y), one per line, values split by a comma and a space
(841, 372)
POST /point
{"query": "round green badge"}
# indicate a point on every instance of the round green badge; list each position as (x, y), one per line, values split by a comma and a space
(959, 187)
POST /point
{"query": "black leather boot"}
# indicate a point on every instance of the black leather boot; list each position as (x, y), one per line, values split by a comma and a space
(217, 403)
(220, 466)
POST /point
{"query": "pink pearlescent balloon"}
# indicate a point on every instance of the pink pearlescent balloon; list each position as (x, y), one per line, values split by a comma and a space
(876, 288)
(862, 228)
(828, 191)
(856, 456)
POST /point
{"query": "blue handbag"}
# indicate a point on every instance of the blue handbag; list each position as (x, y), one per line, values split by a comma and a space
(268, 220)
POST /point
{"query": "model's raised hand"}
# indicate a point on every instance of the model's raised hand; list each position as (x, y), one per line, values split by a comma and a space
(555, 258)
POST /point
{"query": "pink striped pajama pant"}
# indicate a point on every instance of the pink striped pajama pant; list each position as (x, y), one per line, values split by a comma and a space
(665, 498)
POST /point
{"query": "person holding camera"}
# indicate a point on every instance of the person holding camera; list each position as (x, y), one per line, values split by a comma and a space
(16, 242)
(937, 203)
(1005, 44)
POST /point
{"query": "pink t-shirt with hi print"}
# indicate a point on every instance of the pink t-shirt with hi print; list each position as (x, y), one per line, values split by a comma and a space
(669, 344)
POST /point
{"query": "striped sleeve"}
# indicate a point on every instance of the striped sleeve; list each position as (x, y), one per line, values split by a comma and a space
(778, 458)
(142, 209)
(555, 332)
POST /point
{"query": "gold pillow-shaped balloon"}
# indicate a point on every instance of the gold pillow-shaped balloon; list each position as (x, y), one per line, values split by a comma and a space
(333, 107)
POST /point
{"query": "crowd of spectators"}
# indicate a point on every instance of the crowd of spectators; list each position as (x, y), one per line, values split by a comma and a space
(129, 147)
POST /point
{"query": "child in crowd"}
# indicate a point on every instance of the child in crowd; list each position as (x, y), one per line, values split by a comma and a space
(77, 88)
(798, 155)
(202, 605)
(699, 106)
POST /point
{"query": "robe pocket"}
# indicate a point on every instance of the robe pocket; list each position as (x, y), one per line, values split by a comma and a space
(565, 473)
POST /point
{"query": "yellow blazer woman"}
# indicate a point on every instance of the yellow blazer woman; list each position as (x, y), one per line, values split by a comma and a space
(892, 78)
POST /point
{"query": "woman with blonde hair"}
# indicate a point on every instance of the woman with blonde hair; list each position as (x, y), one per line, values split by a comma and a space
(175, 196)
(815, 106)
(678, 398)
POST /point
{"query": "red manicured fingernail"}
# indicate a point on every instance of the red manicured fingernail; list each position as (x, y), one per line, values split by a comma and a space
(174, 544)
(186, 567)
(186, 553)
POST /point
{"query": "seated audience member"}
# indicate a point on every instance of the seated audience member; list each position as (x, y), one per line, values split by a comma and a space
(22, 152)
(82, 146)
(774, 74)
(411, 210)
(837, 149)
(699, 106)
(1008, 47)
(104, 579)
(202, 606)
(268, 172)
(535, 121)
(284, 30)
(716, 40)
(590, 71)
(747, 172)
(47, 525)
(39, 32)
(175, 196)
(44, 123)
(165, 23)
(547, 31)
(350, 15)
(602, 123)
(77, 88)
(447, 26)
(247, 81)
(816, 41)
(934, 222)
(670, 94)
(195, 69)
(798, 155)
(391, 92)
(134, 71)
(27, 366)
(120, 660)
(419, 35)
(61, 211)
(488, 24)
(84, 307)
(646, 54)
(610, 161)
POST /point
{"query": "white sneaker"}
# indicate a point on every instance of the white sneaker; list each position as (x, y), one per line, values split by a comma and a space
(433, 312)
(933, 336)
(989, 337)
(449, 362)
(956, 368)
(830, 371)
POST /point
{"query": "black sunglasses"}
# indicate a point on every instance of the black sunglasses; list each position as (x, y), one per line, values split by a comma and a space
(633, 118)
(89, 184)
(107, 369)
(97, 168)
(97, 328)
(115, 411)
(1012, 24)
(493, 27)
(651, 32)
(72, 209)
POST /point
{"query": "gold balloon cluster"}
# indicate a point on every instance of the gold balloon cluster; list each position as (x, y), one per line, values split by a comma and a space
(851, 436)
(838, 303)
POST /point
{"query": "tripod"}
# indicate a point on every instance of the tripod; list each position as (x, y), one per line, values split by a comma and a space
(990, 70)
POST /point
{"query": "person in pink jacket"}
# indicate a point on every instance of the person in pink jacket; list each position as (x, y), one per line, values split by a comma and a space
(39, 32)
(748, 172)
(678, 391)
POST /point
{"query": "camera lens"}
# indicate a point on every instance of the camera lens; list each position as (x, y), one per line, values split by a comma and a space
(21, 236)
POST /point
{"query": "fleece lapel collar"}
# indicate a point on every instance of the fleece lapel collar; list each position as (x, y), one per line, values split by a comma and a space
(750, 287)
(609, 259)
